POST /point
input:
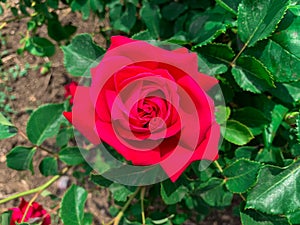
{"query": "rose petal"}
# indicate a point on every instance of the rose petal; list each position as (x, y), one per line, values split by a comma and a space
(83, 115)
(119, 40)
(138, 157)
(207, 150)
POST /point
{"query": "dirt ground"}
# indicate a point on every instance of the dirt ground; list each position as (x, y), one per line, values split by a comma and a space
(35, 89)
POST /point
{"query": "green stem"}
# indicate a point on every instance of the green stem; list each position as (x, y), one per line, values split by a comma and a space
(218, 166)
(121, 213)
(32, 191)
(143, 190)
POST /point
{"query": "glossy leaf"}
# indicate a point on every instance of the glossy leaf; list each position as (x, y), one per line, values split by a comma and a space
(173, 10)
(83, 6)
(71, 156)
(4, 121)
(229, 5)
(150, 14)
(215, 194)
(20, 158)
(44, 122)
(222, 114)
(252, 217)
(81, 55)
(277, 112)
(294, 217)
(5, 218)
(237, 133)
(214, 58)
(135, 176)
(172, 193)
(246, 152)
(287, 92)
(123, 21)
(274, 186)
(205, 27)
(254, 119)
(49, 166)
(58, 32)
(284, 65)
(241, 175)
(40, 46)
(120, 192)
(88, 219)
(7, 131)
(72, 206)
(288, 39)
(251, 75)
(258, 19)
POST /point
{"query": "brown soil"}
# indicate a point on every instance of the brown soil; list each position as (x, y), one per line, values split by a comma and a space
(35, 89)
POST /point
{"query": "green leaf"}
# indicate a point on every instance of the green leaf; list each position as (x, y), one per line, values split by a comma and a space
(63, 137)
(258, 19)
(252, 217)
(150, 14)
(100, 180)
(283, 64)
(134, 176)
(222, 114)
(237, 133)
(39, 46)
(58, 32)
(172, 193)
(215, 194)
(20, 158)
(294, 217)
(298, 127)
(143, 35)
(7, 131)
(254, 119)
(97, 5)
(48, 166)
(120, 192)
(271, 155)
(14, 11)
(214, 58)
(288, 38)
(241, 175)
(81, 55)
(83, 6)
(205, 27)
(230, 5)
(44, 122)
(287, 92)
(123, 21)
(173, 10)
(5, 218)
(53, 4)
(278, 112)
(1, 10)
(87, 219)
(251, 75)
(71, 156)
(72, 206)
(247, 152)
(4, 121)
(274, 186)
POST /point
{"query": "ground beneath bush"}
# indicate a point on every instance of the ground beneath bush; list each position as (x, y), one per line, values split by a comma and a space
(35, 89)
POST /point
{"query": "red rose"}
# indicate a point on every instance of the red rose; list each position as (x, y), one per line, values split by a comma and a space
(70, 90)
(35, 213)
(150, 104)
